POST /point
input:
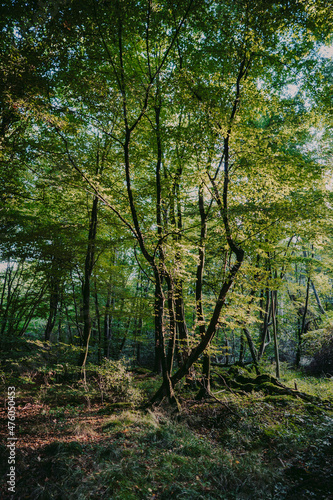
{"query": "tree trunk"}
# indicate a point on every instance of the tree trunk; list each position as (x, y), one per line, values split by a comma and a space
(302, 325)
(321, 309)
(172, 324)
(276, 347)
(205, 380)
(241, 349)
(98, 319)
(108, 321)
(265, 337)
(159, 312)
(182, 331)
(89, 264)
(210, 332)
(53, 308)
(252, 348)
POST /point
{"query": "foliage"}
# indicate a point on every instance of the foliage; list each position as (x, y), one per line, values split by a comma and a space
(320, 387)
(322, 362)
(116, 383)
(166, 201)
(169, 193)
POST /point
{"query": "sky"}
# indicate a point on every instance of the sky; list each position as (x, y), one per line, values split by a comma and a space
(326, 52)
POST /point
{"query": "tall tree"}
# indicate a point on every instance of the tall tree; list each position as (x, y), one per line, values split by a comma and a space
(193, 97)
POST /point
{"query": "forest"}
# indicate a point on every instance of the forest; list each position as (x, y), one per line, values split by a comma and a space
(166, 262)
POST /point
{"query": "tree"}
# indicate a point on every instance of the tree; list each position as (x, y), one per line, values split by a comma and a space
(208, 162)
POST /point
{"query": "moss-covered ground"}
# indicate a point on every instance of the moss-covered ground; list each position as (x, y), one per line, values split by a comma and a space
(251, 445)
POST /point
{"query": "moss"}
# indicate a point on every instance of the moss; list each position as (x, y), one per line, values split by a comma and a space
(269, 388)
(265, 378)
(283, 400)
(237, 371)
(241, 379)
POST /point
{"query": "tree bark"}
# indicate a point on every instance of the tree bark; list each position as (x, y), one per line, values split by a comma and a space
(108, 319)
(98, 319)
(205, 381)
(88, 268)
(252, 348)
(276, 347)
(172, 324)
(321, 309)
(303, 324)
(265, 337)
(53, 305)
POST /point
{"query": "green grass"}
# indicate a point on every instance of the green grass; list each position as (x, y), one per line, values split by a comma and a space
(252, 446)
(317, 386)
(210, 454)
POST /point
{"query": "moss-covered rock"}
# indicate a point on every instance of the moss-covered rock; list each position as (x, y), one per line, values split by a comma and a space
(265, 378)
(269, 388)
(241, 379)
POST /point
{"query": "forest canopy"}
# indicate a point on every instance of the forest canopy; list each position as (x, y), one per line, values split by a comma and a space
(166, 180)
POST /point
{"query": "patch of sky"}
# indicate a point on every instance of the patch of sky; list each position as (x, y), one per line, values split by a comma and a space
(17, 33)
(326, 52)
(291, 90)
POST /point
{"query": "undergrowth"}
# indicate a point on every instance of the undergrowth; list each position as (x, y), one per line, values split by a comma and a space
(259, 450)
(317, 386)
(96, 442)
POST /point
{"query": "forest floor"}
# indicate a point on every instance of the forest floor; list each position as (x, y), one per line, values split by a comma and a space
(248, 445)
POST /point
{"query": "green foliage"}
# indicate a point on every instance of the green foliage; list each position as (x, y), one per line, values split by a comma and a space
(135, 105)
(198, 130)
(116, 383)
(322, 362)
(35, 361)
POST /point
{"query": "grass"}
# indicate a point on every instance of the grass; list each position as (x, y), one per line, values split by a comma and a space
(150, 455)
(317, 386)
(252, 446)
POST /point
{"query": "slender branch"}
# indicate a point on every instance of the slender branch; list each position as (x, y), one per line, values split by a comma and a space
(105, 46)
(147, 38)
(140, 266)
(92, 185)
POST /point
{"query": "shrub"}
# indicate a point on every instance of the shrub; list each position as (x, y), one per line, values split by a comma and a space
(116, 383)
(322, 362)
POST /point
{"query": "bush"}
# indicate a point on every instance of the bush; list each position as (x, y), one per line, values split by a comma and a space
(322, 362)
(116, 383)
